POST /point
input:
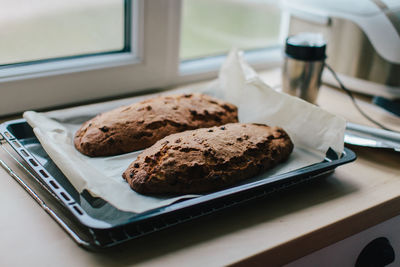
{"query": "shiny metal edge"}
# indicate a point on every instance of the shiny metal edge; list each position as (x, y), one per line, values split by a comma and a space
(361, 135)
(83, 217)
(43, 186)
(42, 203)
(375, 132)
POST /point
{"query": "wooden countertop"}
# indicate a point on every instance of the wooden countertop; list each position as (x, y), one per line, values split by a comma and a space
(276, 230)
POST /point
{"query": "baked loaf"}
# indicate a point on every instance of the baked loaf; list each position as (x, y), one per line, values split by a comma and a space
(140, 125)
(208, 159)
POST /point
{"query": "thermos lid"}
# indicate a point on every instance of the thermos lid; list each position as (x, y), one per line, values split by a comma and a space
(306, 46)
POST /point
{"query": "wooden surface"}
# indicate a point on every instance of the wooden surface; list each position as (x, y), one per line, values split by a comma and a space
(275, 230)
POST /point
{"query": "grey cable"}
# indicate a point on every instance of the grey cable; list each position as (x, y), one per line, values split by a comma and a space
(350, 94)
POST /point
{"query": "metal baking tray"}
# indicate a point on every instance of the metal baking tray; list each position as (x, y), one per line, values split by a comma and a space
(93, 223)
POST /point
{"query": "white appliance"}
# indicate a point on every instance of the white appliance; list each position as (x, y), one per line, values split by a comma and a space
(363, 39)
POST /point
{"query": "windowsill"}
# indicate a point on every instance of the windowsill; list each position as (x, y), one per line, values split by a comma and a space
(66, 66)
(208, 67)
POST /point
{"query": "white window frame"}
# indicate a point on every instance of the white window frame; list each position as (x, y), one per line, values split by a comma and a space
(153, 63)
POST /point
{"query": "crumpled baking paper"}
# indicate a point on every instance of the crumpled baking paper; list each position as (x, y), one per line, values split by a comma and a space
(312, 130)
(309, 126)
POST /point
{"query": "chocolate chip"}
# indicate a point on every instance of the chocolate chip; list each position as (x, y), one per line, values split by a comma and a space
(228, 108)
(178, 140)
(131, 175)
(110, 140)
(148, 108)
(222, 128)
(239, 139)
(175, 107)
(187, 95)
(210, 131)
(193, 112)
(165, 142)
(209, 151)
(104, 129)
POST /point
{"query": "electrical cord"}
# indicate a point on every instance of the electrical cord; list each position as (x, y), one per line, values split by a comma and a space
(350, 94)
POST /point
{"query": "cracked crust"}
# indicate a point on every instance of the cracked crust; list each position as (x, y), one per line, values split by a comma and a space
(140, 125)
(208, 159)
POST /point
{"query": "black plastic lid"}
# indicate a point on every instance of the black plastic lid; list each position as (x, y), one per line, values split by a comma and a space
(306, 46)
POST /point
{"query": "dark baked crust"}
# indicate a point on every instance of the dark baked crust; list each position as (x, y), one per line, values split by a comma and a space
(208, 159)
(140, 125)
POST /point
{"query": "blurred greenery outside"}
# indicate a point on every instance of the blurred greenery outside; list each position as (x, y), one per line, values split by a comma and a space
(212, 27)
(36, 30)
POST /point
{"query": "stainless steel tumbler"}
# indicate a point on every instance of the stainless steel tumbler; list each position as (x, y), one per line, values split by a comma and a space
(303, 65)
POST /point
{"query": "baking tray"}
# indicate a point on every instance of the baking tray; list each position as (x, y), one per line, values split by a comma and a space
(100, 225)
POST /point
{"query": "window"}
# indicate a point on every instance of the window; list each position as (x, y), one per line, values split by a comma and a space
(212, 27)
(43, 30)
(76, 51)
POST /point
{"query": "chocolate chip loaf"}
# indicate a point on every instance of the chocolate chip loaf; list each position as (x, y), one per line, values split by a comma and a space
(140, 125)
(208, 159)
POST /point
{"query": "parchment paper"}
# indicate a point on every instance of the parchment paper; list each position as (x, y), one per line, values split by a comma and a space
(312, 130)
(308, 126)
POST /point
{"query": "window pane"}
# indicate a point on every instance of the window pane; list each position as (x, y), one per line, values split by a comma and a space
(44, 29)
(212, 27)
